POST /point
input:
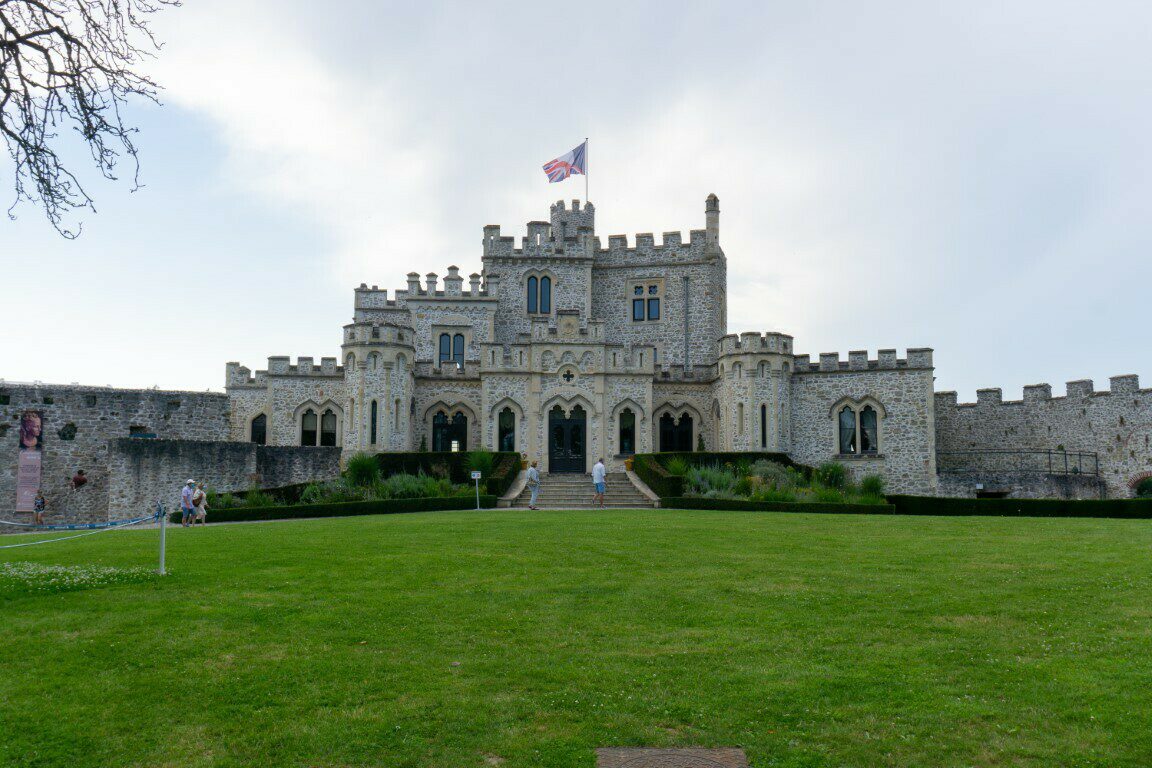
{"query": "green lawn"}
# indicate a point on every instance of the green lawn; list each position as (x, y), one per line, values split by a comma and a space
(529, 639)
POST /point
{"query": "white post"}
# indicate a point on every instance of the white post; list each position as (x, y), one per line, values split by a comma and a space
(163, 531)
(477, 493)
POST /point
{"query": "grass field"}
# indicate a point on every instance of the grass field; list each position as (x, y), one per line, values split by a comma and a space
(529, 639)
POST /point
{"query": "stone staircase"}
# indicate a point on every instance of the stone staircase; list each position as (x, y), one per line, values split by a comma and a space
(565, 491)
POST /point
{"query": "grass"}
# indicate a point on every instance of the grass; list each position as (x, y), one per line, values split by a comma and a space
(528, 639)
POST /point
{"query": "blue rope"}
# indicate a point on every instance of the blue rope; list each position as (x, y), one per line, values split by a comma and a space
(85, 526)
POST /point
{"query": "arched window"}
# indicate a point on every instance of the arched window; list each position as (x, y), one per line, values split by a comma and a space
(545, 295)
(445, 348)
(506, 436)
(328, 428)
(350, 362)
(627, 432)
(533, 288)
(538, 295)
(675, 434)
(308, 428)
(372, 425)
(847, 430)
(259, 433)
(449, 434)
(397, 414)
(458, 348)
(763, 425)
(868, 434)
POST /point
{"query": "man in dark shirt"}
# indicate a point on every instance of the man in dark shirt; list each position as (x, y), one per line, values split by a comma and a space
(79, 479)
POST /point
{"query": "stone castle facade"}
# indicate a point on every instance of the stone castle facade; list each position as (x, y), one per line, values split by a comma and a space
(567, 349)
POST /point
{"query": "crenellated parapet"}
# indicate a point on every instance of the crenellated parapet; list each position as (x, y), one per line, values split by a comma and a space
(1075, 391)
(453, 289)
(753, 342)
(918, 358)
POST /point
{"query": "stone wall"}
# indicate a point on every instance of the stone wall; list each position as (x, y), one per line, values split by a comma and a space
(78, 422)
(142, 472)
(1116, 424)
(903, 388)
(1020, 485)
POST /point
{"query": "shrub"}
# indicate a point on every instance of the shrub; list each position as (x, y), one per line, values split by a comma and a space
(482, 462)
(1144, 488)
(362, 470)
(257, 498)
(831, 475)
(828, 496)
(775, 475)
(872, 485)
(743, 486)
(769, 493)
(416, 487)
(710, 481)
(871, 498)
(677, 466)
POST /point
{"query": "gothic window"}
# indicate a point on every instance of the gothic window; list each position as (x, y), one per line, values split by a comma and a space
(868, 441)
(350, 362)
(538, 295)
(328, 428)
(545, 295)
(449, 434)
(506, 438)
(445, 347)
(259, 430)
(308, 428)
(646, 298)
(372, 425)
(675, 434)
(763, 425)
(458, 348)
(627, 432)
(847, 430)
(858, 429)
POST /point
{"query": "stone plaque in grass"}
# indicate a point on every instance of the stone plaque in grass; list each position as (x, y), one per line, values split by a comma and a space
(619, 757)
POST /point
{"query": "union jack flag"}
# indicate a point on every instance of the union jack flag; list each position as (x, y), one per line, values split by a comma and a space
(566, 165)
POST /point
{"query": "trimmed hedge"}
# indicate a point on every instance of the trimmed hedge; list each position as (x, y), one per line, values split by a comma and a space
(662, 482)
(744, 505)
(1137, 509)
(445, 463)
(346, 509)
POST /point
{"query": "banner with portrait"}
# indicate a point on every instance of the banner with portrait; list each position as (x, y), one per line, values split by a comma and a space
(28, 468)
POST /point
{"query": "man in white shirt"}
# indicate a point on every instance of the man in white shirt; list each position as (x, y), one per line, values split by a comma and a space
(187, 508)
(533, 484)
(599, 474)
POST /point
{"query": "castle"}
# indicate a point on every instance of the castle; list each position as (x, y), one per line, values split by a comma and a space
(567, 350)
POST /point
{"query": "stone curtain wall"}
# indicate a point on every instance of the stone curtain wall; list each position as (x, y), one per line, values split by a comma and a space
(906, 458)
(142, 472)
(1115, 423)
(90, 416)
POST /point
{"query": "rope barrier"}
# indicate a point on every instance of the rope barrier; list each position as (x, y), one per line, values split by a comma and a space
(120, 524)
(68, 526)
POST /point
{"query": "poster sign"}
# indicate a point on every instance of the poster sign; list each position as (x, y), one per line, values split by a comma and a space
(31, 457)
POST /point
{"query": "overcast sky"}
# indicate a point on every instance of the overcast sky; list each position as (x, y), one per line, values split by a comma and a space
(972, 177)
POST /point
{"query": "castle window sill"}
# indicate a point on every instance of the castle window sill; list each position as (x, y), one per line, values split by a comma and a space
(858, 456)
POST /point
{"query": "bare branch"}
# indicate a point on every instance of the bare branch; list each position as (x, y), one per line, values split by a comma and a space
(71, 64)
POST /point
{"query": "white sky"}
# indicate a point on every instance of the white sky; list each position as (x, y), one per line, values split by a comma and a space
(969, 177)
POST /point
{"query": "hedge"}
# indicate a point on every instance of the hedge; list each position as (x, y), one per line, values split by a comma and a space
(662, 482)
(453, 465)
(345, 509)
(939, 505)
(744, 505)
(505, 470)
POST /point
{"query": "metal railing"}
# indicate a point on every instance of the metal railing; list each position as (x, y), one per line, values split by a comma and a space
(1046, 462)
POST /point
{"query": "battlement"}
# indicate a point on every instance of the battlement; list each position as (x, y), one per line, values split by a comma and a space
(858, 360)
(236, 375)
(754, 342)
(1078, 390)
(453, 289)
(378, 333)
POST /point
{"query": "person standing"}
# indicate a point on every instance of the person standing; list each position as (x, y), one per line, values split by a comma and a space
(599, 479)
(533, 485)
(38, 506)
(200, 505)
(78, 480)
(186, 506)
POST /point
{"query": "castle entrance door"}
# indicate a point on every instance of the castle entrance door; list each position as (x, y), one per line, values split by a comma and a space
(566, 440)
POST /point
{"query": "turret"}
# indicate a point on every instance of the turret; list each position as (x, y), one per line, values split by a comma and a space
(712, 221)
(571, 223)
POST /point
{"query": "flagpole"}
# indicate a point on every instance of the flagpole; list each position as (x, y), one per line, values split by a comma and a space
(585, 170)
